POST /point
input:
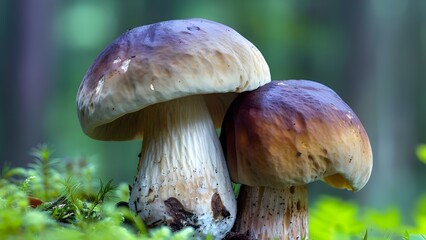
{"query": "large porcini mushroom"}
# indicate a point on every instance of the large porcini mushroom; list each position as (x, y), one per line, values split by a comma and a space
(171, 83)
(281, 137)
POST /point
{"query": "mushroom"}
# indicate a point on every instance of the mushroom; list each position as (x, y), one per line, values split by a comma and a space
(282, 136)
(170, 83)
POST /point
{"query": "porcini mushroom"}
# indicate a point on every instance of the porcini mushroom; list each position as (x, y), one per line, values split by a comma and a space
(282, 136)
(171, 83)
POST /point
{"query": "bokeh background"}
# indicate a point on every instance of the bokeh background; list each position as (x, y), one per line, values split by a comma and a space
(372, 53)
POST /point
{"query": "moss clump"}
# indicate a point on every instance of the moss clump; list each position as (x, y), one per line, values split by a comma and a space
(54, 199)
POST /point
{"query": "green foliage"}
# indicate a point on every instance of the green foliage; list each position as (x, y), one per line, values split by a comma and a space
(332, 218)
(421, 152)
(236, 189)
(58, 199)
(43, 180)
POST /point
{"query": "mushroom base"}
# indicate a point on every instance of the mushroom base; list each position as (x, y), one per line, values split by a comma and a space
(182, 177)
(268, 213)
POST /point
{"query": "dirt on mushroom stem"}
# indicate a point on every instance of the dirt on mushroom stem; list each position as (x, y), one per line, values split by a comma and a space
(182, 178)
(268, 213)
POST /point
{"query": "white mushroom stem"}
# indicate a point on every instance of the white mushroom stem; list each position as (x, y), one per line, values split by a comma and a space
(269, 213)
(182, 177)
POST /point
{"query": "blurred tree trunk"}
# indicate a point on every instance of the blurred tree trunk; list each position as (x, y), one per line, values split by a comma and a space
(26, 57)
(385, 64)
(8, 38)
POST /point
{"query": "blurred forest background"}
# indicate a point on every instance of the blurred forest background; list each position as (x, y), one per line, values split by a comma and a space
(372, 53)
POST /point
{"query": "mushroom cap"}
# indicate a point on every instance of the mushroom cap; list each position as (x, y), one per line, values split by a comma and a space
(164, 61)
(289, 133)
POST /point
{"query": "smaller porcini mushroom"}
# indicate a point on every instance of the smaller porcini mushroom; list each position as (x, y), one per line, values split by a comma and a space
(282, 136)
(171, 83)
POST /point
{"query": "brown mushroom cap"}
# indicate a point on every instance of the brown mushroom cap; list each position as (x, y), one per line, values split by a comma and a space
(294, 132)
(160, 62)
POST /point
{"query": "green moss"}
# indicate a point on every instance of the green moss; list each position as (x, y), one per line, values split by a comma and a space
(73, 205)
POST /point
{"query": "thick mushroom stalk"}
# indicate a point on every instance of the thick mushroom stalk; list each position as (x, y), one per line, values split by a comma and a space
(182, 177)
(268, 213)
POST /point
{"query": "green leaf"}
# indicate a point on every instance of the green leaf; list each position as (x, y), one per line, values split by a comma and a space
(421, 152)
